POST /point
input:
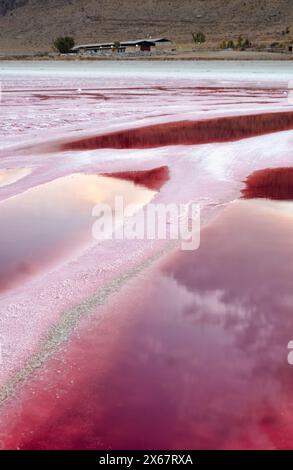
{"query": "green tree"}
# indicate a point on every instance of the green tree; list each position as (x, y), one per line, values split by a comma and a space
(199, 37)
(240, 42)
(64, 44)
(246, 43)
(230, 44)
(116, 45)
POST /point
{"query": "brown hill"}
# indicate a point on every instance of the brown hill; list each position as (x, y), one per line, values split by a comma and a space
(31, 25)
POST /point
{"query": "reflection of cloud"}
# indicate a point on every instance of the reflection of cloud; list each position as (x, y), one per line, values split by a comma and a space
(275, 208)
(241, 281)
(211, 304)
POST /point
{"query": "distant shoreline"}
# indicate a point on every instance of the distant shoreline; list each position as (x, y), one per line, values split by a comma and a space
(191, 55)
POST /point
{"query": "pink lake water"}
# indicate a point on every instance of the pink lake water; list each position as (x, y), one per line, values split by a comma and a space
(52, 221)
(137, 344)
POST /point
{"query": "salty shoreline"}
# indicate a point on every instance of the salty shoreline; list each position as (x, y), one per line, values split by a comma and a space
(181, 55)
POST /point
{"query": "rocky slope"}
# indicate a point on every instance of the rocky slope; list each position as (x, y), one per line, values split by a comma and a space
(31, 25)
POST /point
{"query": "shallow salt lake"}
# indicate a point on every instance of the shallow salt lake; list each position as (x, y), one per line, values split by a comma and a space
(136, 344)
(51, 221)
(201, 346)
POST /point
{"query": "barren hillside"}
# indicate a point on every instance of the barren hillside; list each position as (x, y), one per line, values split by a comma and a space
(31, 25)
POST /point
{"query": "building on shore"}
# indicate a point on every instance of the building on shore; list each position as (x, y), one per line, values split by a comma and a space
(139, 46)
